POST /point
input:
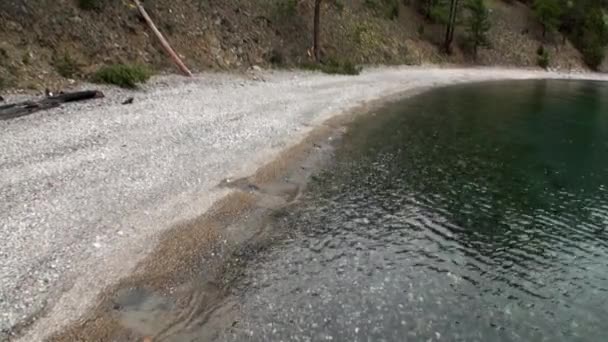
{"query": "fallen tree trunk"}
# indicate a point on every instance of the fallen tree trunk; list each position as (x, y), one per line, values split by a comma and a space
(15, 110)
(184, 69)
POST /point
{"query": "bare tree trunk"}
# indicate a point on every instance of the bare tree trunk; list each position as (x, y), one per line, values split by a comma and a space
(449, 32)
(317, 31)
(163, 41)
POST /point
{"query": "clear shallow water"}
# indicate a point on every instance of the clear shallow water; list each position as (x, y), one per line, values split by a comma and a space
(469, 213)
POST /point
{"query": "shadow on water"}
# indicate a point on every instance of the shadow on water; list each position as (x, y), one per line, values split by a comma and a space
(471, 213)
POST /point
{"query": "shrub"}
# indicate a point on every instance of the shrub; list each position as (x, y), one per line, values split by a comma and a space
(421, 30)
(66, 66)
(540, 51)
(334, 66)
(386, 8)
(543, 59)
(286, 8)
(276, 57)
(593, 54)
(339, 5)
(122, 75)
(89, 5)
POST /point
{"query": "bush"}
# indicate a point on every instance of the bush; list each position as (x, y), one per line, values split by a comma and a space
(276, 57)
(66, 66)
(339, 5)
(386, 8)
(286, 8)
(590, 36)
(593, 55)
(421, 30)
(540, 51)
(89, 5)
(543, 59)
(122, 75)
(333, 66)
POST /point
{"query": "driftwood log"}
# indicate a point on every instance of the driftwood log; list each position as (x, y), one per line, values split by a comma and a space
(15, 110)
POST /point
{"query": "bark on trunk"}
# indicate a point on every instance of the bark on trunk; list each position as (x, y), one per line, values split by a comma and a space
(449, 32)
(317, 31)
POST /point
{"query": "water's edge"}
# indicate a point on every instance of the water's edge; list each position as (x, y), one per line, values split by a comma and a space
(186, 282)
(192, 270)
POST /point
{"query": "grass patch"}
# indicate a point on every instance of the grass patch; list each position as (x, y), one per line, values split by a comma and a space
(67, 66)
(334, 67)
(122, 75)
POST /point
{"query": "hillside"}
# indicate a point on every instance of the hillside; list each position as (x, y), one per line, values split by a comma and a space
(44, 43)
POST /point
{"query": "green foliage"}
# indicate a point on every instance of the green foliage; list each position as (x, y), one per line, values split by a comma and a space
(334, 66)
(593, 50)
(386, 8)
(122, 75)
(477, 24)
(420, 30)
(436, 11)
(590, 35)
(585, 23)
(541, 50)
(594, 38)
(543, 58)
(548, 12)
(90, 5)
(276, 57)
(285, 8)
(339, 5)
(66, 66)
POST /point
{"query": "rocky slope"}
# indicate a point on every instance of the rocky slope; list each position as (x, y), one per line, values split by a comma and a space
(44, 43)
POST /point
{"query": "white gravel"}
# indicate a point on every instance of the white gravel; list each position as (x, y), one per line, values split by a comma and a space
(86, 189)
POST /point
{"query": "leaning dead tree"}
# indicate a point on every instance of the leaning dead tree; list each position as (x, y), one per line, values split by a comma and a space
(182, 67)
(15, 110)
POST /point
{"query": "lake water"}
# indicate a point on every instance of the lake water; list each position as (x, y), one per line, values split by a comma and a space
(468, 213)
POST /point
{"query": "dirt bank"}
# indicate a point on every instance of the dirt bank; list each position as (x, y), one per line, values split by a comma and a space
(96, 192)
(47, 43)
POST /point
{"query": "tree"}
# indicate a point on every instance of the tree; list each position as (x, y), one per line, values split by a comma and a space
(451, 26)
(478, 24)
(317, 31)
(593, 38)
(548, 13)
(585, 24)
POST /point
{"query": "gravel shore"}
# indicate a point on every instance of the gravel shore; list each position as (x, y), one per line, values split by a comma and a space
(86, 189)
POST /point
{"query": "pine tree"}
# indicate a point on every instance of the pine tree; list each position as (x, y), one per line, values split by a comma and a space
(478, 24)
(548, 12)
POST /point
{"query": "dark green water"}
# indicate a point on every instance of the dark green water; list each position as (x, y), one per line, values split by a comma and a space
(469, 213)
